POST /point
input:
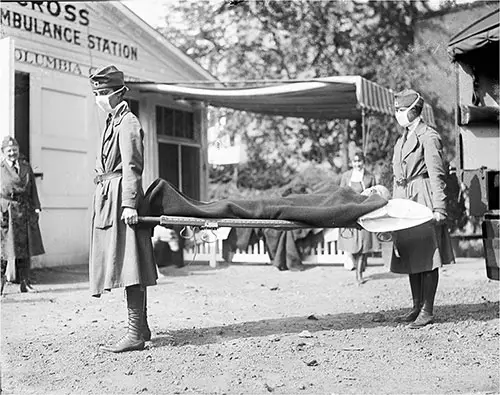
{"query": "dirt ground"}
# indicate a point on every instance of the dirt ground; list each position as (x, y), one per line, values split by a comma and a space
(251, 329)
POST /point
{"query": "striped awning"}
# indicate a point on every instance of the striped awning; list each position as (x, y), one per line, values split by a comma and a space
(344, 97)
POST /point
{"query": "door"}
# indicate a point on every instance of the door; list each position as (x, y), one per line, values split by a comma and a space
(190, 171)
(64, 133)
(168, 156)
(6, 87)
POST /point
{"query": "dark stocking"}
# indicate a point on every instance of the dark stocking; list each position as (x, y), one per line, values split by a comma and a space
(416, 294)
(429, 286)
(430, 282)
(416, 290)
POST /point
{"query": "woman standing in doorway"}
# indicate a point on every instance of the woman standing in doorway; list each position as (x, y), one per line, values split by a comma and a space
(21, 237)
(356, 243)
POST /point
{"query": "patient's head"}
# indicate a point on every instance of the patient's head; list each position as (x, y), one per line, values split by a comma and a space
(379, 190)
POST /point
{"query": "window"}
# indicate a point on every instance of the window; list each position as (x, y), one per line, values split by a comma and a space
(174, 123)
(179, 158)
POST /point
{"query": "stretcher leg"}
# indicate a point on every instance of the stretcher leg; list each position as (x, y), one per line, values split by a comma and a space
(213, 256)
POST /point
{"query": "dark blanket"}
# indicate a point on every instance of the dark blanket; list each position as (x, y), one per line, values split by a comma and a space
(335, 207)
(332, 207)
(284, 248)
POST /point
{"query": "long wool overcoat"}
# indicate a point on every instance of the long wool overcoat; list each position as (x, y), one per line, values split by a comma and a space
(420, 161)
(21, 237)
(120, 255)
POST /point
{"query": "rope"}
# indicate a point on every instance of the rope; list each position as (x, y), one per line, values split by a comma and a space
(188, 233)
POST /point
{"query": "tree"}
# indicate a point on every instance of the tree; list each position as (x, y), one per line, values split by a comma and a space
(276, 40)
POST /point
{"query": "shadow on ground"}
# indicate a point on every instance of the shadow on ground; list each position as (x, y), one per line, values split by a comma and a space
(60, 274)
(198, 336)
(80, 273)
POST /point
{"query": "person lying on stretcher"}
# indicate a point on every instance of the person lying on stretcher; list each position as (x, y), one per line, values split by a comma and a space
(334, 207)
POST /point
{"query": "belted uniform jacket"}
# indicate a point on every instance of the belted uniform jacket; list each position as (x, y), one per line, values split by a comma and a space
(419, 175)
(21, 237)
(119, 255)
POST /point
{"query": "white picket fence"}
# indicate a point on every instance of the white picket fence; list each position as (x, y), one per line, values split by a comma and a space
(324, 252)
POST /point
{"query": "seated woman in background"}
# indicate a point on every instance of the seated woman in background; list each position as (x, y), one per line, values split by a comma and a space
(357, 243)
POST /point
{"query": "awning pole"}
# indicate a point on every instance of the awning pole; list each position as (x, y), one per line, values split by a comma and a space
(367, 132)
(363, 130)
(345, 166)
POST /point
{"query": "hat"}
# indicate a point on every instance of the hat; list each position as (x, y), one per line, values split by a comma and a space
(9, 141)
(107, 77)
(406, 98)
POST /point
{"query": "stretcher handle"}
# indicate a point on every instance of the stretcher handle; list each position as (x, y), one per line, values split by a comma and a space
(214, 223)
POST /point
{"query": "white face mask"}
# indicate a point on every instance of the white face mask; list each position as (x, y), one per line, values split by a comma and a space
(402, 116)
(104, 103)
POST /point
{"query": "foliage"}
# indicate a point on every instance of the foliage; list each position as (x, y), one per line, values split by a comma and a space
(276, 40)
(307, 179)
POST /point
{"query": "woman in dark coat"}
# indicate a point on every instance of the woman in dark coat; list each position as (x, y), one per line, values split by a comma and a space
(357, 243)
(121, 253)
(419, 175)
(21, 237)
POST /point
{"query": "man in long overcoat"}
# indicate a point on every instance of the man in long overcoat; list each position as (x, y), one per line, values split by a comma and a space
(21, 237)
(419, 175)
(121, 253)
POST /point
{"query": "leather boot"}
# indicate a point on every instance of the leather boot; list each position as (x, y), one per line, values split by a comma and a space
(4, 277)
(24, 279)
(4, 280)
(423, 319)
(416, 293)
(429, 286)
(133, 340)
(23, 276)
(146, 332)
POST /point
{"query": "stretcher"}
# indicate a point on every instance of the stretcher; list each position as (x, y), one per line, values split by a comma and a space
(396, 215)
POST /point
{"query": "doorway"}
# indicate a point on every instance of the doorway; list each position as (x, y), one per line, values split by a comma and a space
(22, 113)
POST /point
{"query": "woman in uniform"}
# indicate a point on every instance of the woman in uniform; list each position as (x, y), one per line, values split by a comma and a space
(355, 243)
(419, 175)
(121, 253)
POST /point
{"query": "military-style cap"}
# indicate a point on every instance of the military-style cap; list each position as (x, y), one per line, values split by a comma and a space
(107, 77)
(406, 98)
(9, 141)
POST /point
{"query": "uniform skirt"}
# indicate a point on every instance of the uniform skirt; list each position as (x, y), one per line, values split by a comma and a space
(420, 249)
